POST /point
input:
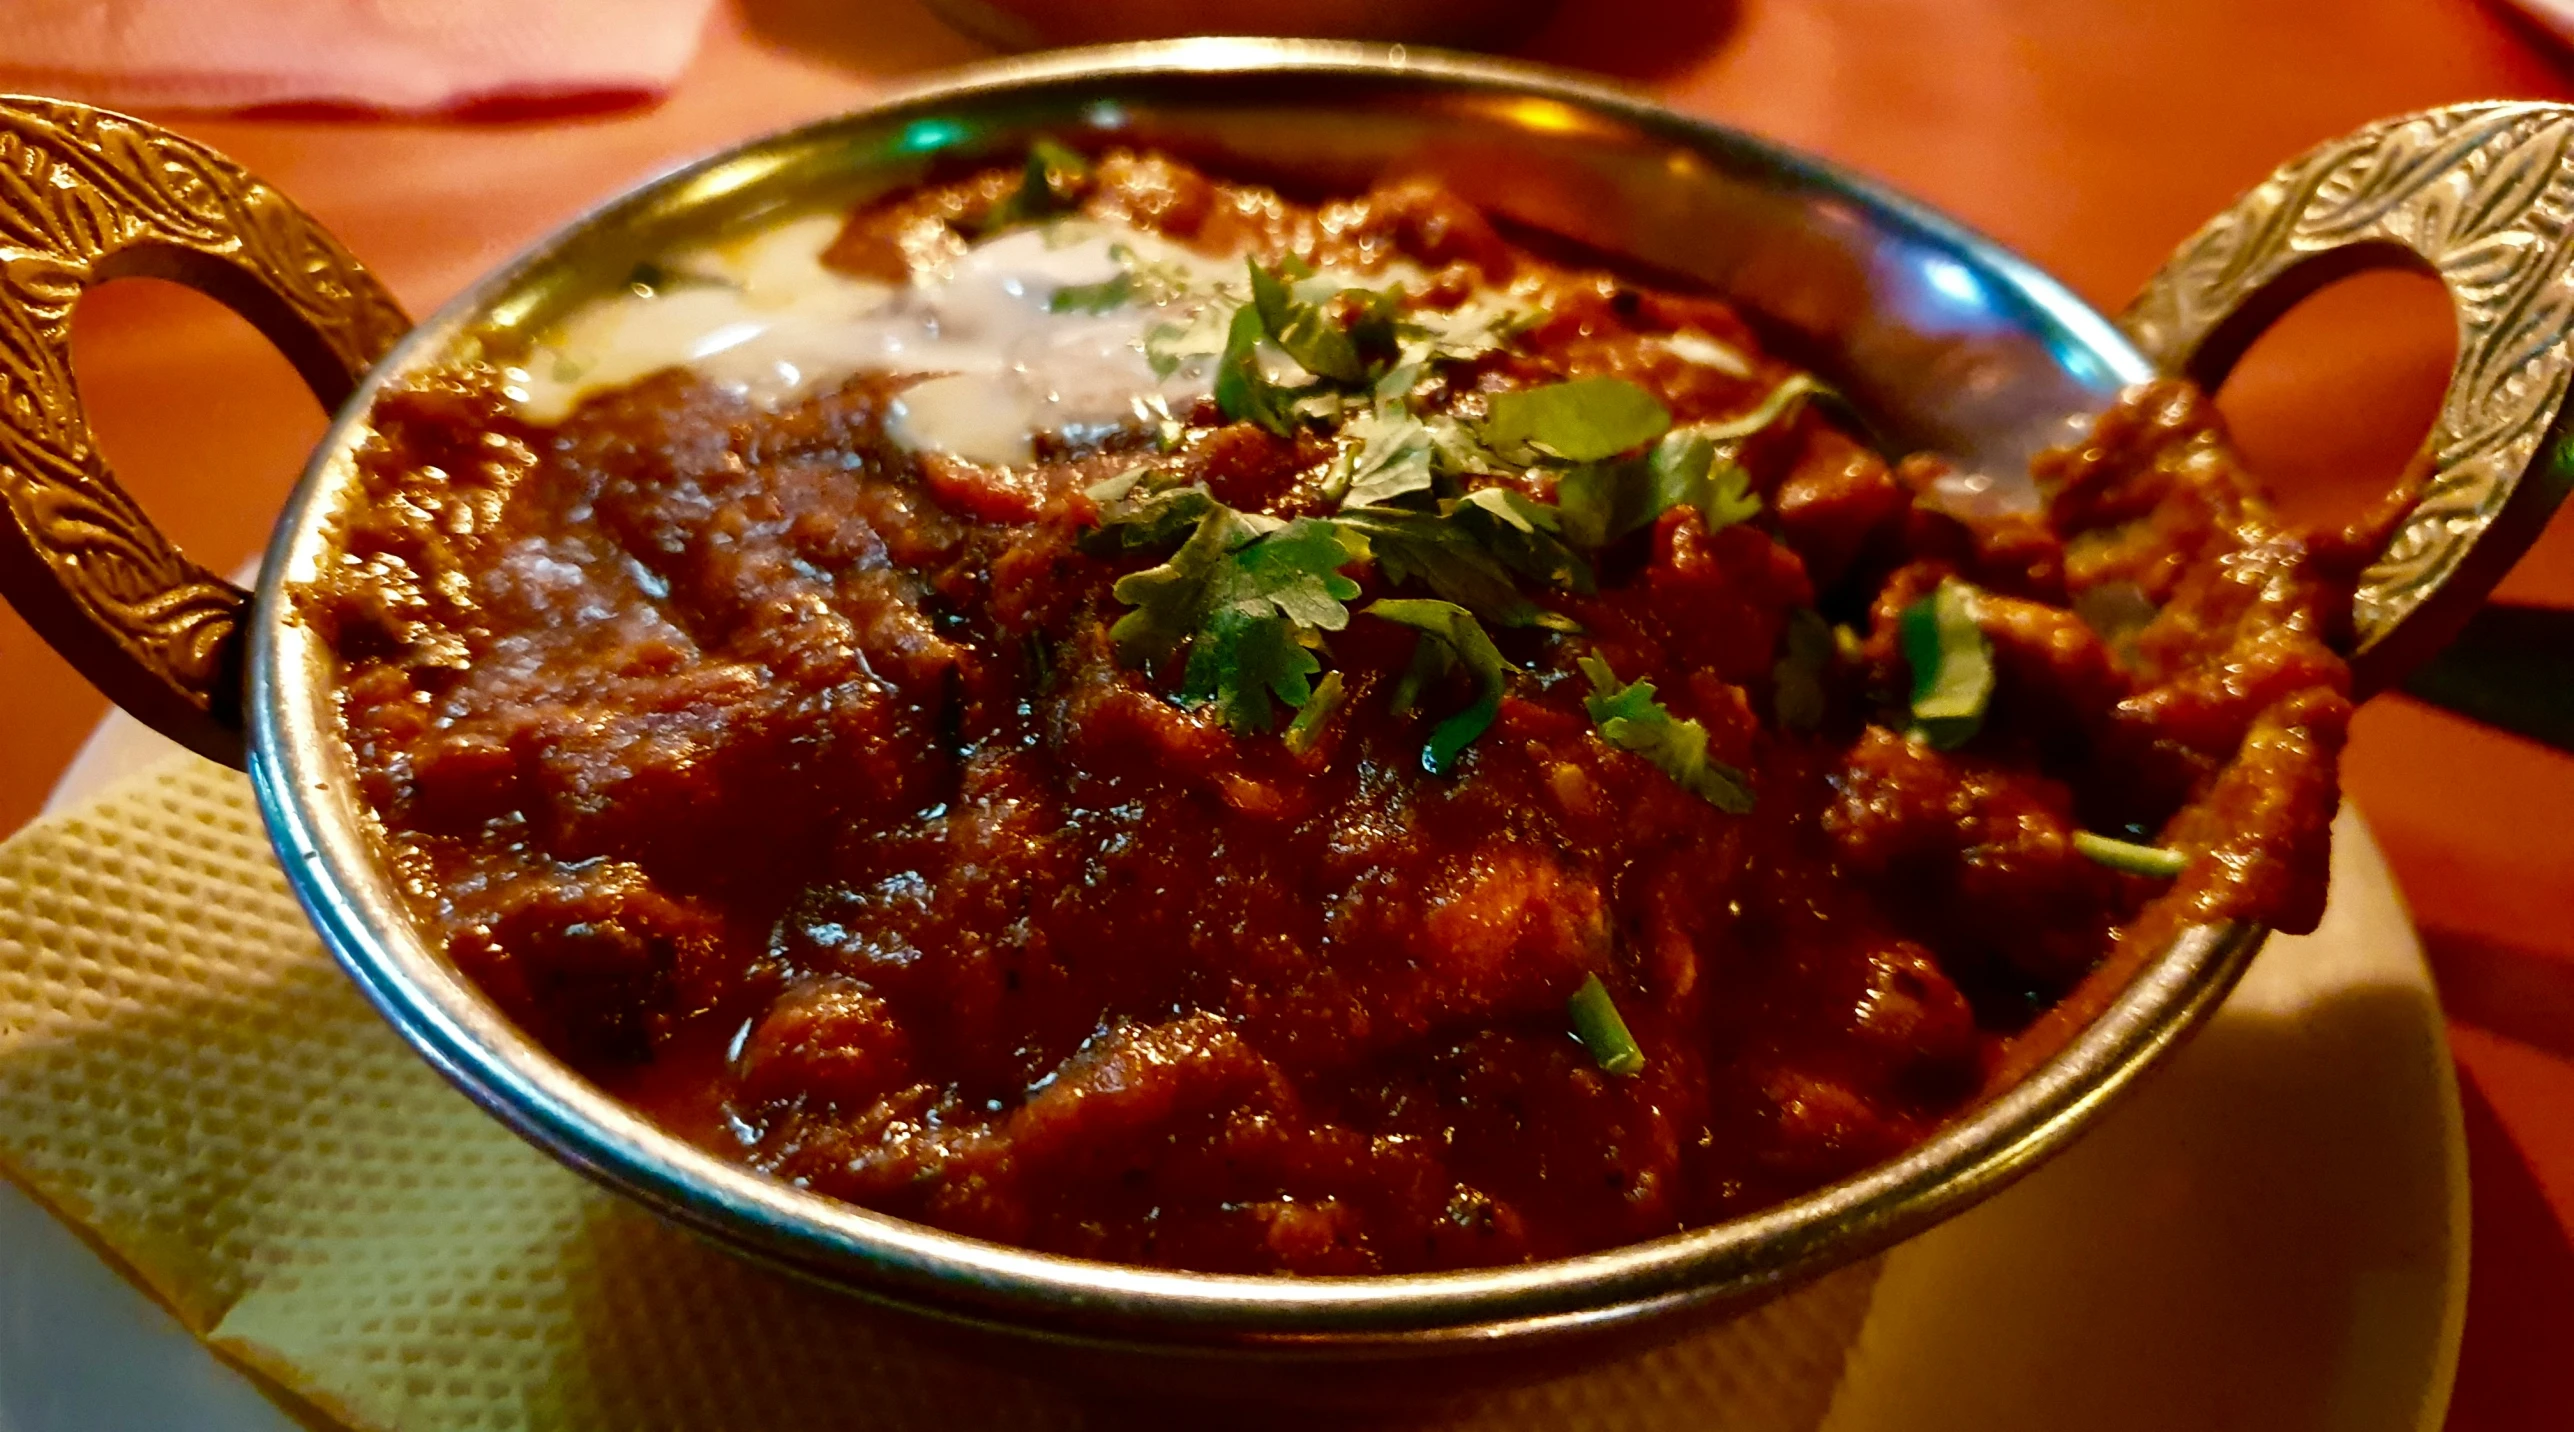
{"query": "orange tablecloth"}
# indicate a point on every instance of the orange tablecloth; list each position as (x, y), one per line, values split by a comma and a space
(2091, 137)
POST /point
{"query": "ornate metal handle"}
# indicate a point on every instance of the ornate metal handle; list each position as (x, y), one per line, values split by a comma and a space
(86, 196)
(2484, 195)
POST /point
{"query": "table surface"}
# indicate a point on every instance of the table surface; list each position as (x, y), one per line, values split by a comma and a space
(2089, 137)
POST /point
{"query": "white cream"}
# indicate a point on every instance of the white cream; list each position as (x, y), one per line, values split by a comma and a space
(764, 317)
(1692, 346)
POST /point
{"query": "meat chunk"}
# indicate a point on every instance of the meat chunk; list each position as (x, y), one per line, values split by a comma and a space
(1982, 854)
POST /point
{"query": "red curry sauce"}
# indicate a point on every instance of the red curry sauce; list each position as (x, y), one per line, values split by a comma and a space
(788, 783)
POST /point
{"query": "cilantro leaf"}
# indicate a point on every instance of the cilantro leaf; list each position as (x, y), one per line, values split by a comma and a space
(1952, 663)
(1601, 502)
(1411, 364)
(1604, 501)
(1695, 465)
(1305, 331)
(1431, 661)
(1525, 534)
(1100, 297)
(1242, 658)
(1246, 601)
(1631, 719)
(1444, 555)
(1127, 527)
(1460, 639)
(1797, 694)
(1242, 389)
(1459, 451)
(1173, 599)
(1392, 455)
(1298, 317)
(1728, 497)
(1691, 466)
(1582, 420)
(1296, 570)
(1466, 332)
(1375, 323)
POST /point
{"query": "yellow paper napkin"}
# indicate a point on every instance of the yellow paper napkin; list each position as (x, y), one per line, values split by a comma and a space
(186, 1077)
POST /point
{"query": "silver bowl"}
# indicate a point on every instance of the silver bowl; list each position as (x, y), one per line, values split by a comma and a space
(1949, 342)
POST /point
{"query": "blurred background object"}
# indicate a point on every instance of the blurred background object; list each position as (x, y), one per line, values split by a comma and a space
(1038, 24)
(2556, 17)
(449, 57)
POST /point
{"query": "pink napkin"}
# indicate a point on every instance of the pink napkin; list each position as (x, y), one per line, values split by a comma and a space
(480, 57)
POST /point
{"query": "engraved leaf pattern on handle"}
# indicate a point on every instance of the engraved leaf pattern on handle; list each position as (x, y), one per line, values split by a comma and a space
(2484, 194)
(81, 191)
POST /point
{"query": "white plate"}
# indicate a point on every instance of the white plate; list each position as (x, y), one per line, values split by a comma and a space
(2271, 1236)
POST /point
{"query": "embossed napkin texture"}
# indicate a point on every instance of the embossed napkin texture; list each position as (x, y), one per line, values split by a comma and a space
(187, 1077)
(413, 56)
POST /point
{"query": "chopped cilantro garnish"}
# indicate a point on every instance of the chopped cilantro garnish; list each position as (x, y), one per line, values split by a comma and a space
(1242, 389)
(1140, 511)
(1604, 501)
(1446, 555)
(1386, 453)
(1100, 297)
(1171, 600)
(2125, 855)
(1597, 1023)
(1449, 635)
(1524, 533)
(1307, 728)
(1693, 466)
(1297, 570)
(1244, 600)
(1631, 719)
(1404, 374)
(1241, 658)
(1466, 332)
(1726, 497)
(1952, 665)
(1304, 331)
(1796, 682)
(1583, 420)
(1248, 597)
(1460, 451)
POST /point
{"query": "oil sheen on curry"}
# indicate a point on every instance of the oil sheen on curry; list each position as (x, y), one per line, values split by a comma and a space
(1103, 709)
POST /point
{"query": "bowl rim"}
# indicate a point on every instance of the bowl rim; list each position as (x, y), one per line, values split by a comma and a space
(302, 779)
